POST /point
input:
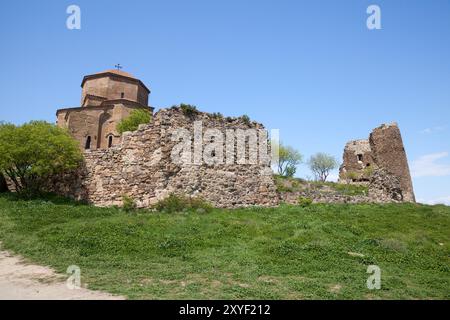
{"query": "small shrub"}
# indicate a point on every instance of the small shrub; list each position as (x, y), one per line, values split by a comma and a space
(295, 183)
(351, 176)
(217, 115)
(128, 204)
(175, 203)
(171, 204)
(283, 188)
(304, 201)
(188, 110)
(368, 172)
(246, 119)
(290, 171)
(286, 184)
(200, 205)
(351, 189)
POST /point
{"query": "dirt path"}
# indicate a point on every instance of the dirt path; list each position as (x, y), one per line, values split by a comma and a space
(21, 281)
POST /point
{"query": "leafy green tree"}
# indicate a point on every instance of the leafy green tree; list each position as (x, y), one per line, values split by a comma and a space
(288, 160)
(132, 122)
(321, 164)
(32, 152)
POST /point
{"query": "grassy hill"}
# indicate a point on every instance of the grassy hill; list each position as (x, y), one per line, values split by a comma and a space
(290, 252)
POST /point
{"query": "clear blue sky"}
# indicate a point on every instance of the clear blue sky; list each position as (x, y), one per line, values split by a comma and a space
(310, 68)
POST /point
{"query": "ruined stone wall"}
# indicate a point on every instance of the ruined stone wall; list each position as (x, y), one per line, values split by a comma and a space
(323, 194)
(382, 187)
(142, 168)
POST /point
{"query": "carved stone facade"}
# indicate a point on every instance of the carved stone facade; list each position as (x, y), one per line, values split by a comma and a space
(382, 155)
(141, 166)
(107, 98)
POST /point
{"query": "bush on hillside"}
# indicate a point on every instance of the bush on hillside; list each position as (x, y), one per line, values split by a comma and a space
(304, 201)
(246, 119)
(188, 110)
(176, 203)
(32, 152)
(128, 204)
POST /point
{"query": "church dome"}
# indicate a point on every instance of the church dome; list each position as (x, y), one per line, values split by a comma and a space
(112, 84)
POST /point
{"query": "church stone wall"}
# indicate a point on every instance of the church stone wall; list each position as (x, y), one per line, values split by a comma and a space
(97, 87)
(98, 122)
(142, 167)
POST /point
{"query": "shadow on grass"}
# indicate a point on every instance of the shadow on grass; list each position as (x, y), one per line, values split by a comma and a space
(45, 197)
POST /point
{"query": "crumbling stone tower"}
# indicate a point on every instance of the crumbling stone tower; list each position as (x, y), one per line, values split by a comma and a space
(389, 153)
(384, 151)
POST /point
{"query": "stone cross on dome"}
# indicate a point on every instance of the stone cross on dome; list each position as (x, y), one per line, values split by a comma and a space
(118, 66)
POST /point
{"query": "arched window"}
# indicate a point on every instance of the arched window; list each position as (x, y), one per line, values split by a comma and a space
(110, 141)
(88, 143)
(122, 95)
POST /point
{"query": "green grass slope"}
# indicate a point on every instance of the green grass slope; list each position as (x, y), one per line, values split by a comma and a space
(316, 252)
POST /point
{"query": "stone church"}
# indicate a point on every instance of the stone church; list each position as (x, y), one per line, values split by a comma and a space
(106, 98)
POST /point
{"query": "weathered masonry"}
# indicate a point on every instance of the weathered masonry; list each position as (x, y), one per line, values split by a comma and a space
(141, 166)
(383, 154)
